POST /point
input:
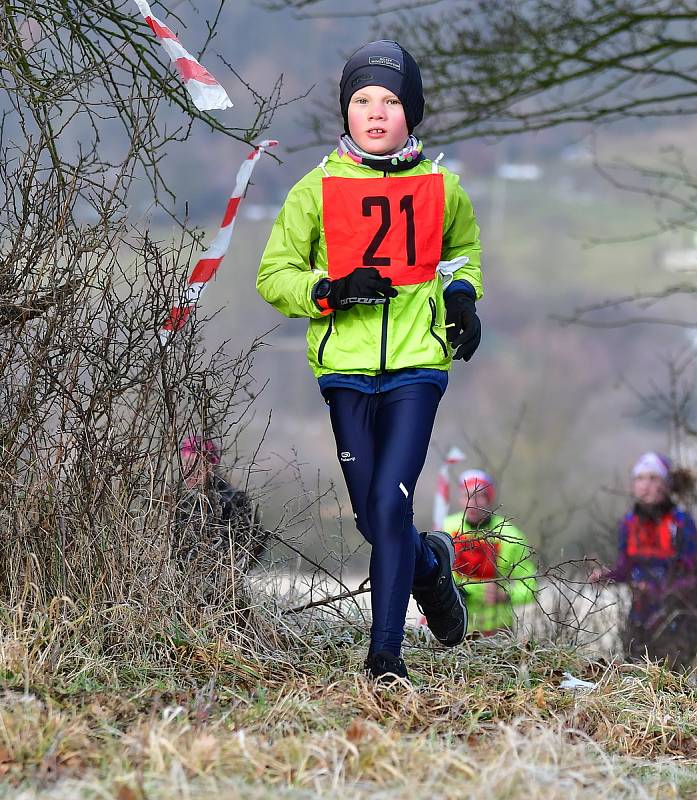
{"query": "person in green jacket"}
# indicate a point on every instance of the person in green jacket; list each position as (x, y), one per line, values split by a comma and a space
(493, 566)
(379, 248)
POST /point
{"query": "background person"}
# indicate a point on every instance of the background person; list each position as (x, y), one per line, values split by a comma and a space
(217, 526)
(493, 564)
(657, 559)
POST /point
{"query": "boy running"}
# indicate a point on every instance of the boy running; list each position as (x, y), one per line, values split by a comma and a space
(379, 248)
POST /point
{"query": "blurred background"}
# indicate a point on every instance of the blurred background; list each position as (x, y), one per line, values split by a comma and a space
(558, 411)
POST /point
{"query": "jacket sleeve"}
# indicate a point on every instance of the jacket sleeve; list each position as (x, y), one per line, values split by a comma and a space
(461, 238)
(687, 556)
(619, 572)
(286, 277)
(517, 567)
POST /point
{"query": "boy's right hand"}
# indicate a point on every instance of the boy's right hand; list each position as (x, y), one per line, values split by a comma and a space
(363, 286)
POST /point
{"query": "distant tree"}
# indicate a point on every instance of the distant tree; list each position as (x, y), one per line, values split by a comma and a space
(501, 67)
(505, 66)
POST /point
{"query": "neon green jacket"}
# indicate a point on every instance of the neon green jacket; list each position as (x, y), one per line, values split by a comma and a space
(508, 559)
(407, 332)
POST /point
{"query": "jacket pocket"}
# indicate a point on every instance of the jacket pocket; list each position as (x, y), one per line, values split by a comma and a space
(325, 339)
(432, 304)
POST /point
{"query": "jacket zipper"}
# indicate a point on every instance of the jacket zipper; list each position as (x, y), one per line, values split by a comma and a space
(383, 338)
(432, 303)
(320, 352)
(385, 319)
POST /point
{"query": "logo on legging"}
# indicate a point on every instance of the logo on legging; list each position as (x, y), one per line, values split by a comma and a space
(346, 456)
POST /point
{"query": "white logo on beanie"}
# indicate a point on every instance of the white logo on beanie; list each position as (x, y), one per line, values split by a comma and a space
(385, 61)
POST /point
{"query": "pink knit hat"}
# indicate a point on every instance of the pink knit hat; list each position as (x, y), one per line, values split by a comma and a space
(198, 445)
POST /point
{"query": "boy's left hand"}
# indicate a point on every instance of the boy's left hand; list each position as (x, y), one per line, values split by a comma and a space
(464, 330)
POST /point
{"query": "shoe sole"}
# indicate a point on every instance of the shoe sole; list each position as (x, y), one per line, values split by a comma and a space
(447, 540)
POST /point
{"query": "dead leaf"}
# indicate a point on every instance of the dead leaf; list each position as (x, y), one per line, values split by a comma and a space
(126, 793)
(540, 700)
(357, 730)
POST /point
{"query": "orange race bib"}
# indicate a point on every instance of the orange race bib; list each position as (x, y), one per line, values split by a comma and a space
(475, 558)
(393, 224)
(648, 539)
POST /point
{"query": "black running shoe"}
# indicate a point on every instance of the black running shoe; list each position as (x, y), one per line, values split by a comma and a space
(439, 599)
(385, 668)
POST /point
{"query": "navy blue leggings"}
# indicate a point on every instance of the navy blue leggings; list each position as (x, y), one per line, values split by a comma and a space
(381, 442)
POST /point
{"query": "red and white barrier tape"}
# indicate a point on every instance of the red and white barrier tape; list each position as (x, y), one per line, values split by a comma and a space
(208, 263)
(441, 500)
(204, 89)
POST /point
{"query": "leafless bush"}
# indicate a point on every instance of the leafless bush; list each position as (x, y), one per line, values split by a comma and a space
(92, 405)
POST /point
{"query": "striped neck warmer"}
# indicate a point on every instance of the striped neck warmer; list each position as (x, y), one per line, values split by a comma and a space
(406, 158)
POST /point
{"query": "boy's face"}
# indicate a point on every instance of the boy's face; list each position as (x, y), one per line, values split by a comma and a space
(376, 120)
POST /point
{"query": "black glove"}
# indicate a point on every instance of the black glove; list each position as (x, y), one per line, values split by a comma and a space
(363, 286)
(465, 332)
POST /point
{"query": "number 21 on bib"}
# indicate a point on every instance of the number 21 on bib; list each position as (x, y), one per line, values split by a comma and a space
(393, 224)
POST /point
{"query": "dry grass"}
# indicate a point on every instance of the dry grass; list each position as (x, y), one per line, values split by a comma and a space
(209, 717)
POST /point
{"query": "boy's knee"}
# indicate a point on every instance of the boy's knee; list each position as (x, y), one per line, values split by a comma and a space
(388, 510)
(364, 528)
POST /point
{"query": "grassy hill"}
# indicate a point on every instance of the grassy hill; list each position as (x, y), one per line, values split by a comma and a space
(293, 718)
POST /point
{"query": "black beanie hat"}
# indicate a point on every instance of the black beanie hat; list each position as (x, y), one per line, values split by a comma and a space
(384, 63)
